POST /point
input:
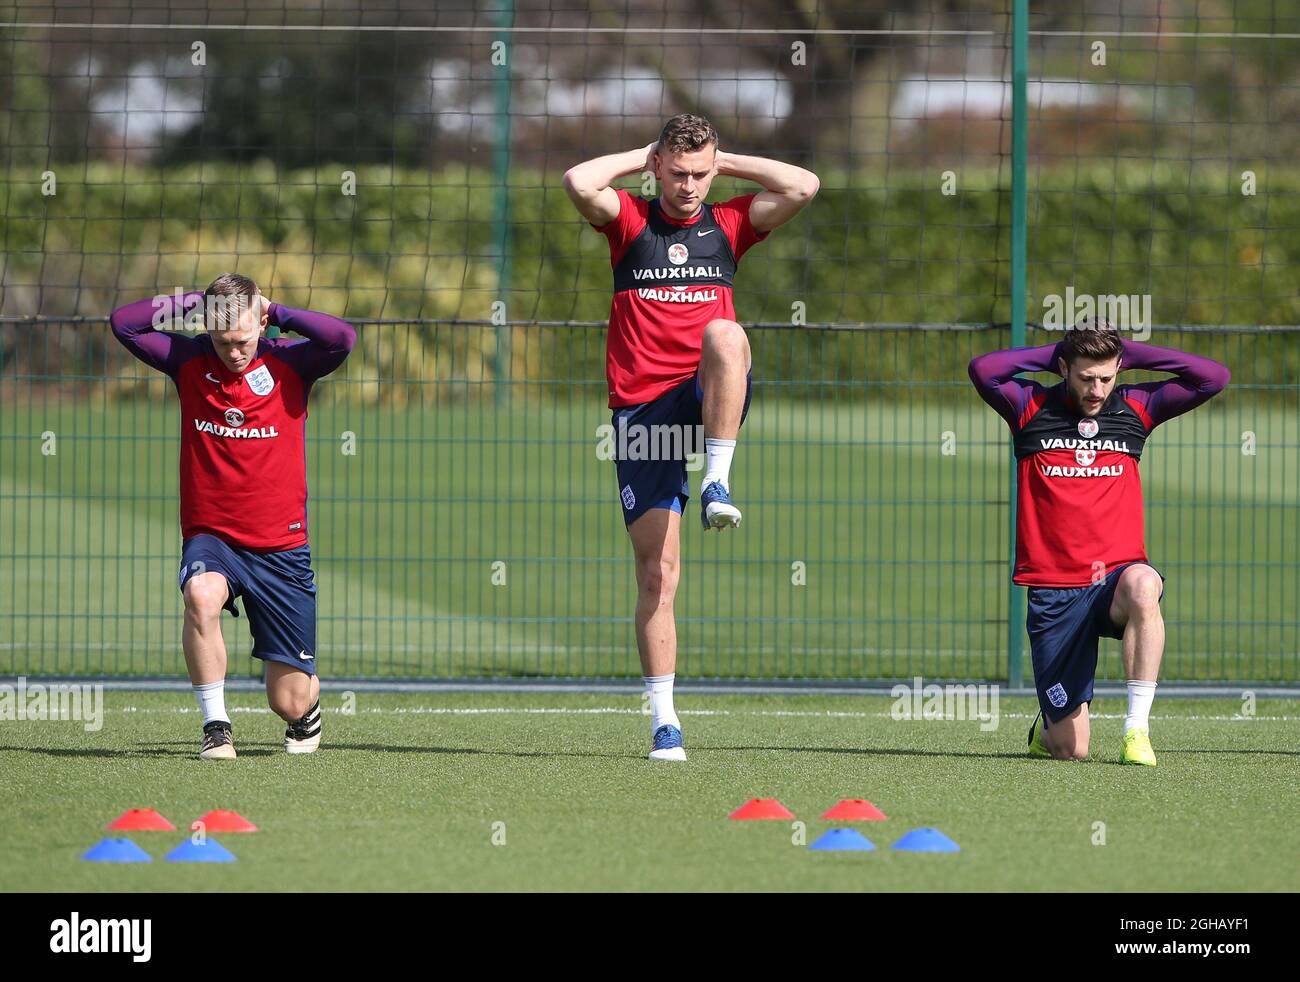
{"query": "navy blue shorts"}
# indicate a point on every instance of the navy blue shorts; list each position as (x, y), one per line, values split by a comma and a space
(279, 591)
(1064, 626)
(657, 437)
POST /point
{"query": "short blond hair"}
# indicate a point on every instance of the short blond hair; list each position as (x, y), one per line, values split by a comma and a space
(226, 299)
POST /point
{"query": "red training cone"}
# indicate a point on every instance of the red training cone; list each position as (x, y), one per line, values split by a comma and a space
(222, 820)
(855, 810)
(141, 820)
(758, 808)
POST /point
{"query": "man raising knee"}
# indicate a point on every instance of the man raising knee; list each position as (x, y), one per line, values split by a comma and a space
(677, 361)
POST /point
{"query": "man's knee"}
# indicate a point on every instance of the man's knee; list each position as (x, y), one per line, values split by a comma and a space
(289, 706)
(1137, 596)
(1067, 742)
(725, 339)
(205, 595)
(290, 696)
(657, 575)
(1140, 589)
(1070, 750)
(1067, 739)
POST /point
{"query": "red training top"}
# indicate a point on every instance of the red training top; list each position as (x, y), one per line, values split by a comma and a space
(1079, 503)
(671, 277)
(243, 456)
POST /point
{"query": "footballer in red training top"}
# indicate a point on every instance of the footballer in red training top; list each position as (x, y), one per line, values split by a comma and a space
(676, 360)
(1080, 547)
(243, 400)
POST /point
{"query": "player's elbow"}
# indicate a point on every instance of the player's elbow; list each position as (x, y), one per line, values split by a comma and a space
(809, 187)
(802, 189)
(120, 323)
(348, 337)
(1218, 378)
(574, 185)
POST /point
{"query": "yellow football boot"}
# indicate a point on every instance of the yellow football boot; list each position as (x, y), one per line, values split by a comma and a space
(1036, 747)
(1137, 748)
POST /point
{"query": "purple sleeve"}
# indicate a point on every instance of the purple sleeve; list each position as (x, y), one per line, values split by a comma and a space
(166, 351)
(328, 341)
(1198, 380)
(994, 377)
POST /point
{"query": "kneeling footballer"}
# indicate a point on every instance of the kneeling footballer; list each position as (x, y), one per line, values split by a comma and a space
(243, 481)
(1080, 545)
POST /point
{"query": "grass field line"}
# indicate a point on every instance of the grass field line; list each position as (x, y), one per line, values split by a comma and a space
(632, 711)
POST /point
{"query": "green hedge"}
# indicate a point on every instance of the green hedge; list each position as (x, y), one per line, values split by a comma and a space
(888, 249)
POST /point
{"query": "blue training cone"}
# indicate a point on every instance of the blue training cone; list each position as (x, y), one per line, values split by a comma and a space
(926, 840)
(207, 851)
(842, 840)
(116, 851)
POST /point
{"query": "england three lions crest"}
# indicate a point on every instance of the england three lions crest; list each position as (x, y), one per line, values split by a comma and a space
(260, 381)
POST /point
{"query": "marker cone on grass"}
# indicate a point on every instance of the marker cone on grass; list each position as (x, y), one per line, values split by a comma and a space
(222, 820)
(203, 851)
(842, 840)
(926, 840)
(141, 820)
(116, 851)
(761, 808)
(854, 810)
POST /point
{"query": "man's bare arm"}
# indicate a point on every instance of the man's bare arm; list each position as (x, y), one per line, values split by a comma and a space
(786, 188)
(588, 183)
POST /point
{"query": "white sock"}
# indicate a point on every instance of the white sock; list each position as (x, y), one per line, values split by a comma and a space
(718, 454)
(1140, 697)
(212, 701)
(660, 690)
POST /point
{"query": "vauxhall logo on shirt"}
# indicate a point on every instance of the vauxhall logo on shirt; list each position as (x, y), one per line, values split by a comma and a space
(260, 382)
(1063, 445)
(234, 428)
(674, 264)
(1085, 453)
(1057, 443)
(1084, 469)
(678, 294)
(678, 255)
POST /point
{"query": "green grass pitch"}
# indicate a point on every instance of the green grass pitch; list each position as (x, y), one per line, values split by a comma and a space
(405, 793)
